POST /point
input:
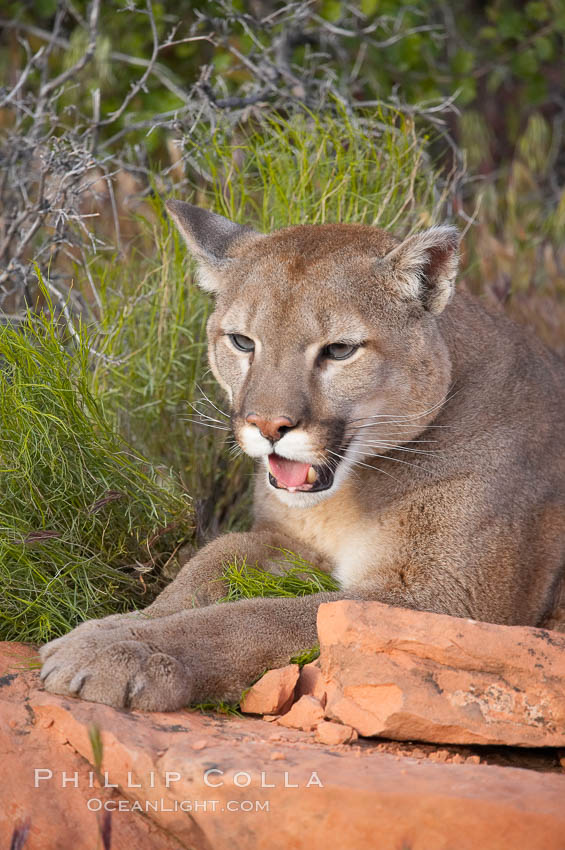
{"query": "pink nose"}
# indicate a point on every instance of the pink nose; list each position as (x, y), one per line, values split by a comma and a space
(270, 428)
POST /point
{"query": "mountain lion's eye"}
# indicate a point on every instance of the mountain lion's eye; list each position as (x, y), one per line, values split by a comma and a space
(242, 343)
(339, 350)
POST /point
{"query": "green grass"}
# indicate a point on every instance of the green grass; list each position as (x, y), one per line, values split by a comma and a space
(316, 168)
(154, 375)
(86, 521)
(230, 709)
(299, 579)
(306, 656)
(104, 467)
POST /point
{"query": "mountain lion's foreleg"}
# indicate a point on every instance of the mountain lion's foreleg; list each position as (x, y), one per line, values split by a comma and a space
(175, 651)
(199, 582)
(164, 663)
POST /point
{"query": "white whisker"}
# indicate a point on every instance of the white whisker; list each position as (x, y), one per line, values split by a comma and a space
(380, 445)
(215, 406)
(404, 417)
(360, 463)
(401, 420)
(205, 416)
(404, 443)
(384, 457)
(205, 424)
(398, 425)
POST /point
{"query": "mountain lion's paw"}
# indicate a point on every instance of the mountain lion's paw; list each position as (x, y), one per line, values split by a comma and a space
(102, 628)
(121, 673)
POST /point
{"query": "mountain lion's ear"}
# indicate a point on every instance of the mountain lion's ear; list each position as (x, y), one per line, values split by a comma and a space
(209, 237)
(424, 266)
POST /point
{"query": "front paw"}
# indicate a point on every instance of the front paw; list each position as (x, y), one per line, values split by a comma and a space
(108, 666)
(101, 628)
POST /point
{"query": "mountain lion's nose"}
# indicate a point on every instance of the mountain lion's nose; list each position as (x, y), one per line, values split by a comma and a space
(272, 429)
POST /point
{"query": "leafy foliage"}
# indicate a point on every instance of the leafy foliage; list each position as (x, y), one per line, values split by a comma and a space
(152, 372)
(498, 56)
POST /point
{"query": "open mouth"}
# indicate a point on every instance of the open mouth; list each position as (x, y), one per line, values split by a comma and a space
(294, 476)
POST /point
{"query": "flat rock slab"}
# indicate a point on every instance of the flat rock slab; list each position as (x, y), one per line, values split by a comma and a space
(57, 818)
(411, 675)
(227, 783)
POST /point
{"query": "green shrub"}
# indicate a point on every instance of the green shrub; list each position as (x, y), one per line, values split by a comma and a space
(84, 517)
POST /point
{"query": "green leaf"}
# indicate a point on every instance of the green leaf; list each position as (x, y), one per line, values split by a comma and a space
(537, 11)
(488, 33)
(331, 10)
(468, 88)
(222, 60)
(462, 62)
(525, 64)
(544, 48)
(512, 24)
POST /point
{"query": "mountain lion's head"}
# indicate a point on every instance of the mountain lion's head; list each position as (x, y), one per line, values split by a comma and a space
(325, 339)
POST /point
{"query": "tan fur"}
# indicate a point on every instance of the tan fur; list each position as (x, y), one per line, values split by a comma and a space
(469, 520)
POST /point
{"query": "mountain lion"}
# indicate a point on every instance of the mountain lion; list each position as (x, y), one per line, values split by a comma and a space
(409, 442)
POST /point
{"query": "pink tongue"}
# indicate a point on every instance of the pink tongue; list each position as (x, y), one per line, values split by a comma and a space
(291, 473)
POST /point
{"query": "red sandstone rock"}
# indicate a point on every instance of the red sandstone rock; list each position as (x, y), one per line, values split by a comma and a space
(55, 817)
(410, 675)
(311, 682)
(334, 734)
(273, 693)
(349, 799)
(305, 714)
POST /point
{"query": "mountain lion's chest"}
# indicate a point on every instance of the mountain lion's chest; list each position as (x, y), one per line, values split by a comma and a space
(355, 542)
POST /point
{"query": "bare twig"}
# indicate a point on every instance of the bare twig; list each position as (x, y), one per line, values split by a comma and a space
(64, 76)
(58, 143)
(140, 84)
